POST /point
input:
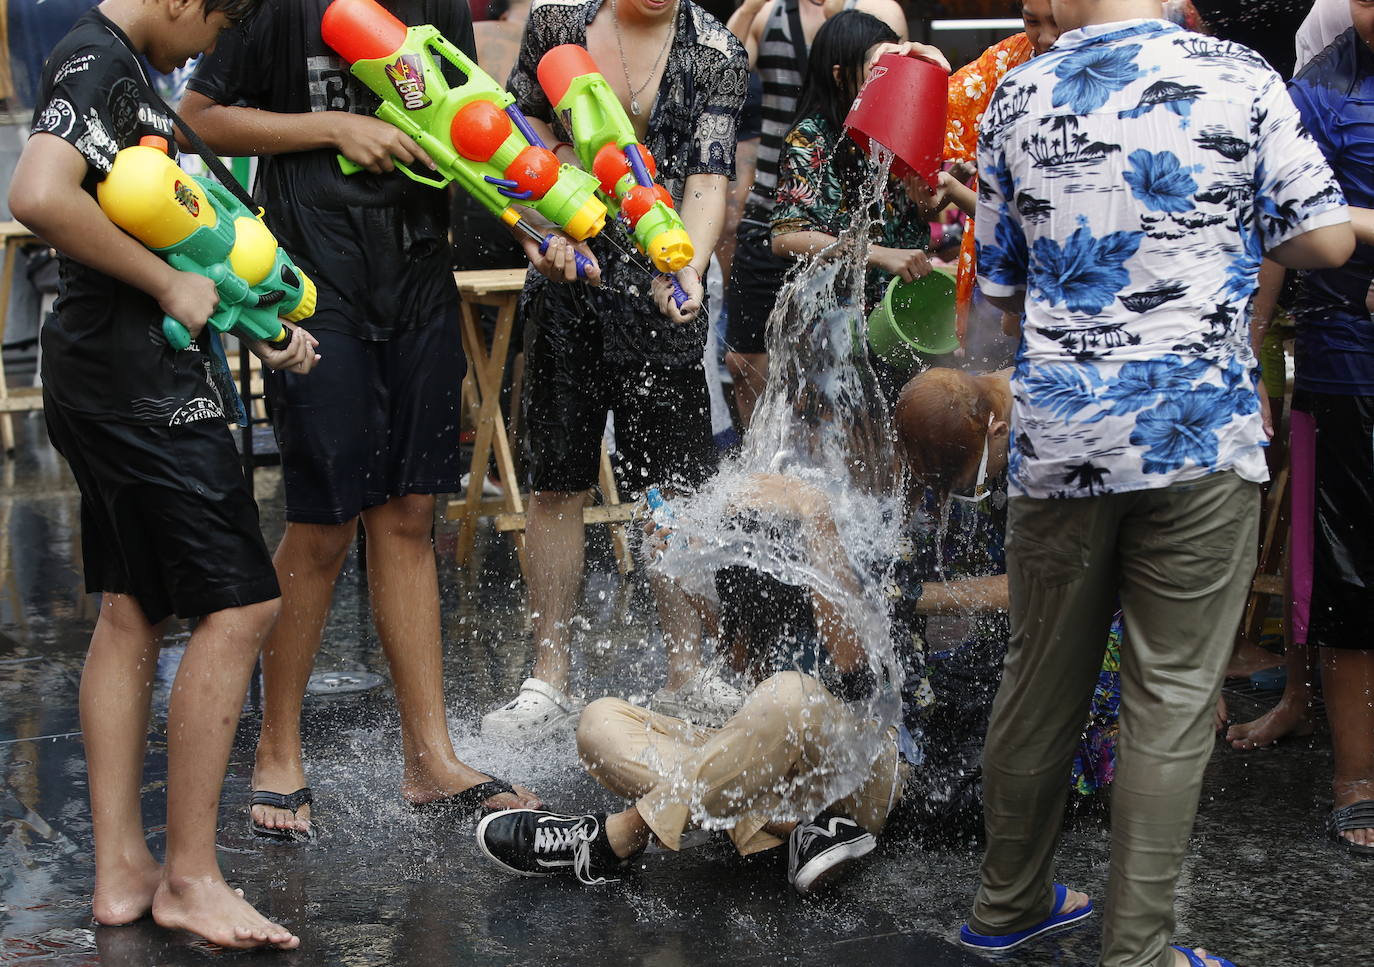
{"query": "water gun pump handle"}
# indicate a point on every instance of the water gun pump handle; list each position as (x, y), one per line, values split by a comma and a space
(680, 296)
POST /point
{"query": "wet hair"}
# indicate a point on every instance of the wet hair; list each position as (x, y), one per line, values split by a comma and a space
(844, 41)
(941, 419)
(238, 11)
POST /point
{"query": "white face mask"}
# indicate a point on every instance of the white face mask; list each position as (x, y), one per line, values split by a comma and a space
(980, 486)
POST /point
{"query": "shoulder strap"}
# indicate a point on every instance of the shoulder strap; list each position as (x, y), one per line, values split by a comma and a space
(211, 160)
(794, 27)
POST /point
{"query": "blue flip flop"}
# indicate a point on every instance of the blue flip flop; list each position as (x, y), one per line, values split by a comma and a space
(1195, 961)
(1055, 921)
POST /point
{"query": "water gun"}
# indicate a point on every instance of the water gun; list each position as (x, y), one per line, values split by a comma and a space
(474, 133)
(606, 145)
(197, 225)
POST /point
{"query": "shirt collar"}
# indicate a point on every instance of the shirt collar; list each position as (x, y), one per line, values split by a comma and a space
(1110, 32)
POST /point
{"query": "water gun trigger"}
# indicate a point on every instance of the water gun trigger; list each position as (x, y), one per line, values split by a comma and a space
(352, 168)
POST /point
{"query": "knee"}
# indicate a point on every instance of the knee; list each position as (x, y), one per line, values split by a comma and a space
(250, 623)
(595, 728)
(318, 546)
(408, 518)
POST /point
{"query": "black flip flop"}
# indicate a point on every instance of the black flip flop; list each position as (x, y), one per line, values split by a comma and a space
(275, 800)
(1358, 815)
(468, 803)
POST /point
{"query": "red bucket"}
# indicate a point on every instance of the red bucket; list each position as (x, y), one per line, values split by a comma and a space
(902, 106)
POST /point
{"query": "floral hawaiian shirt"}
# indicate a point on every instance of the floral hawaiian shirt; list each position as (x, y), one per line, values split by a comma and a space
(1129, 182)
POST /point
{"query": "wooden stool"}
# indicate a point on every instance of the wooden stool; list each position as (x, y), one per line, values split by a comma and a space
(481, 395)
(15, 236)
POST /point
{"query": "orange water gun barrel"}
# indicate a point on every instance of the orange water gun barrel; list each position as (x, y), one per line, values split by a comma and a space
(558, 68)
(361, 30)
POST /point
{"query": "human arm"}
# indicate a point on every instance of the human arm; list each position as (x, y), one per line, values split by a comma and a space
(704, 199)
(46, 194)
(888, 11)
(747, 23)
(948, 190)
(965, 595)
(906, 263)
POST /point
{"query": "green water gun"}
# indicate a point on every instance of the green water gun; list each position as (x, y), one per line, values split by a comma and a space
(474, 133)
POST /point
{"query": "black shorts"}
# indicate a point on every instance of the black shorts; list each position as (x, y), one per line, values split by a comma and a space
(756, 277)
(662, 414)
(374, 420)
(166, 515)
(1342, 517)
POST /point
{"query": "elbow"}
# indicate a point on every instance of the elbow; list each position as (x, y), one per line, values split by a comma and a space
(28, 203)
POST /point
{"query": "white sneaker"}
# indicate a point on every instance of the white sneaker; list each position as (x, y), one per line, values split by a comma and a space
(706, 699)
(538, 711)
(490, 488)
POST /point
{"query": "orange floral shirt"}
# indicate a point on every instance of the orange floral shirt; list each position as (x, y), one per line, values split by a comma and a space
(970, 90)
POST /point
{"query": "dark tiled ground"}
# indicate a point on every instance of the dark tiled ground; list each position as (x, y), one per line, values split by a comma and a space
(382, 888)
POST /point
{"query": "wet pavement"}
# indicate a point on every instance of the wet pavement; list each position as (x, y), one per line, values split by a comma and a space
(382, 886)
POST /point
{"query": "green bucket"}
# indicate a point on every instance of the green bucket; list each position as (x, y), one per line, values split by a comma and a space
(915, 318)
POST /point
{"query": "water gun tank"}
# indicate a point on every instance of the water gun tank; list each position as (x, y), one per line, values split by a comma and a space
(560, 66)
(361, 30)
(148, 195)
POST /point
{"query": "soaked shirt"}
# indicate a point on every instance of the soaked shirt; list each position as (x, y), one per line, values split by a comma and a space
(1335, 96)
(1130, 181)
(812, 195)
(691, 131)
(104, 353)
(376, 246)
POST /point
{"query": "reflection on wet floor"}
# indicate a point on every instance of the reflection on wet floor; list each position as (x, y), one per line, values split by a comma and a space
(383, 886)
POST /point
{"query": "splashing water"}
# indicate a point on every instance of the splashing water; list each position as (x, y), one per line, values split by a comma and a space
(822, 422)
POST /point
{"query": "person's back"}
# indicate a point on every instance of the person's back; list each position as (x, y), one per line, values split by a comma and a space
(1146, 176)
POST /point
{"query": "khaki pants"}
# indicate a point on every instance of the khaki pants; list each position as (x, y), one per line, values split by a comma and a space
(1181, 559)
(775, 750)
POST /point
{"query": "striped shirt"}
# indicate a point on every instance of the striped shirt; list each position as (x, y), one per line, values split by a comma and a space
(782, 83)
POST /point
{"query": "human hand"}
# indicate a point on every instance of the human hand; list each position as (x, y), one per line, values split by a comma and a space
(907, 264)
(910, 48)
(375, 145)
(929, 202)
(690, 280)
(189, 298)
(1266, 414)
(1011, 325)
(297, 356)
(558, 260)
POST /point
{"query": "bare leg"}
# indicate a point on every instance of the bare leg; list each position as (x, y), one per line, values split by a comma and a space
(681, 626)
(1348, 685)
(627, 832)
(404, 587)
(206, 699)
(555, 542)
(116, 688)
(307, 561)
(749, 371)
(1293, 714)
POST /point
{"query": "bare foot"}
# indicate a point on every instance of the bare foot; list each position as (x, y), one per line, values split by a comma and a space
(1073, 900)
(1222, 714)
(522, 798)
(284, 779)
(1248, 659)
(1285, 718)
(124, 891)
(1347, 793)
(208, 908)
(1181, 959)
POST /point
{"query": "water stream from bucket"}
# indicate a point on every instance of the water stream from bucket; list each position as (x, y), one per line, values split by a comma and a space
(821, 422)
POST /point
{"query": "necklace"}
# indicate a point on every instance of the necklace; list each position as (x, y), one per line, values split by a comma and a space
(625, 63)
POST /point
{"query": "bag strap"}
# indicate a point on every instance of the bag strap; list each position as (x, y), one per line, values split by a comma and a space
(198, 145)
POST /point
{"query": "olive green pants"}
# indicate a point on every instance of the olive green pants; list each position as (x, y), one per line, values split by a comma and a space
(1181, 560)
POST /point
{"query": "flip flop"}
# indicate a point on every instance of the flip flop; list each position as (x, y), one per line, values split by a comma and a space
(468, 803)
(275, 800)
(1052, 923)
(1358, 815)
(1212, 960)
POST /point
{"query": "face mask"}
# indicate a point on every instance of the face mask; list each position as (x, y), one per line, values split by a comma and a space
(980, 487)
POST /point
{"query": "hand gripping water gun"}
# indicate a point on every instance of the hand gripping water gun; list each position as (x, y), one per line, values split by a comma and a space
(197, 225)
(607, 146)
(475, 133)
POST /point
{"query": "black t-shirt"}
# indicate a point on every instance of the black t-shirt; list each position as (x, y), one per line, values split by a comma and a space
(376, 246)
(103, 349)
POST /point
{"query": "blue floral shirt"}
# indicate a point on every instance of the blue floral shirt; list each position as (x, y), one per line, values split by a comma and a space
(1129, 182)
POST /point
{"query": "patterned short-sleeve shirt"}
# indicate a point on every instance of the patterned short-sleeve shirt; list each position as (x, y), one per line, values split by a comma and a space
(1130, 181)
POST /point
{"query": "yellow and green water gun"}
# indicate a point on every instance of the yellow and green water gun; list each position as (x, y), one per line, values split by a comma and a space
(197, 225)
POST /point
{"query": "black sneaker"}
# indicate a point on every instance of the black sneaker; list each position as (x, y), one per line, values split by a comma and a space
(820, 849)
(532, 842)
